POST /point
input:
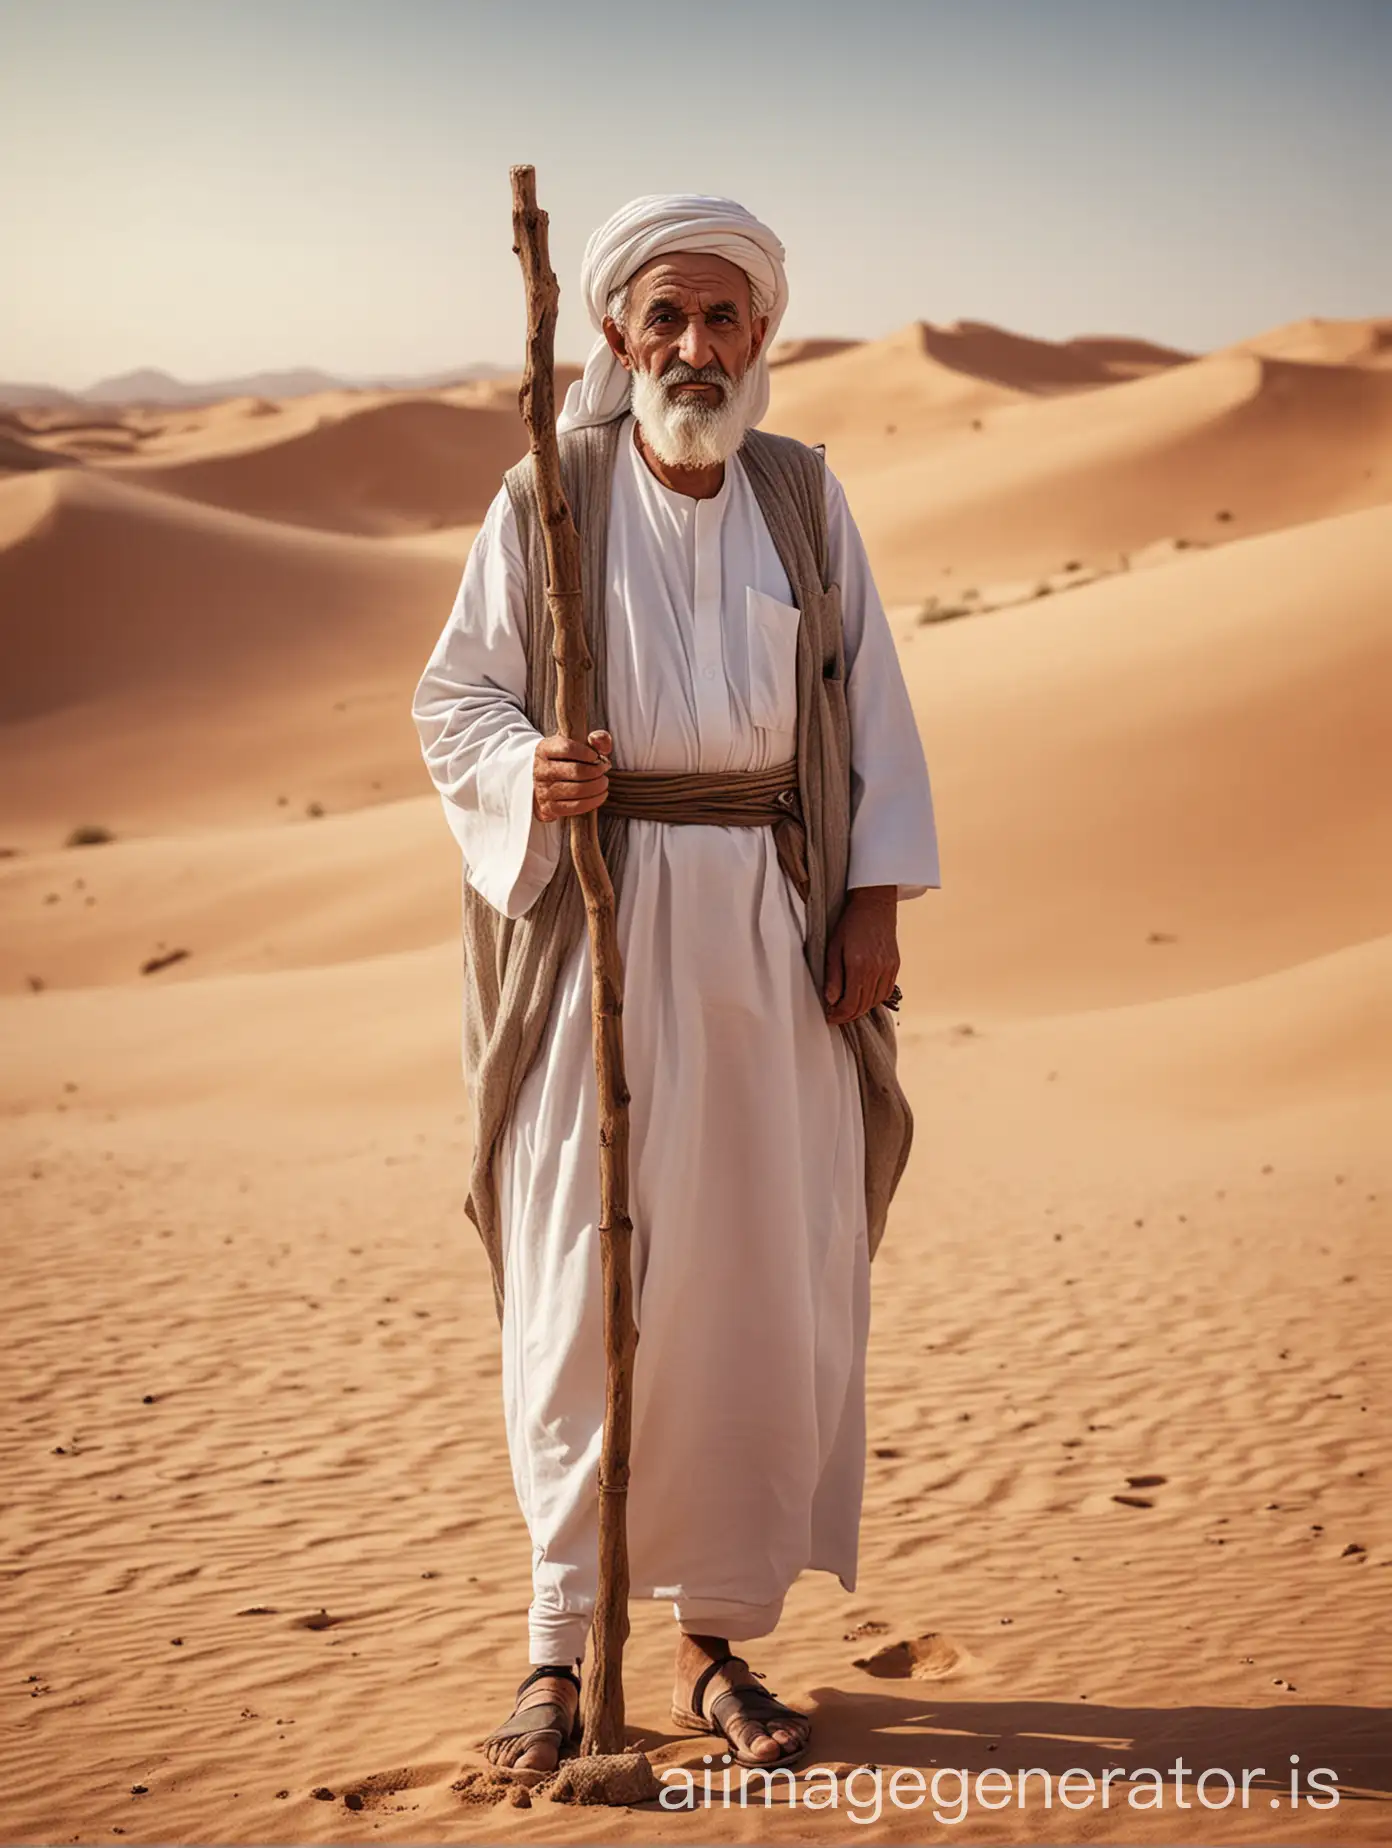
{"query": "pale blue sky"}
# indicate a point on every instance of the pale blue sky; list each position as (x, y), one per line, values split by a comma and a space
(213, 187)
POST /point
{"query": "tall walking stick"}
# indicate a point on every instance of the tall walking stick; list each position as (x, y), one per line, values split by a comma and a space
(604, 1702)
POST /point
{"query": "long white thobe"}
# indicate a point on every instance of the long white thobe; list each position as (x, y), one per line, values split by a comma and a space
(746, 1159)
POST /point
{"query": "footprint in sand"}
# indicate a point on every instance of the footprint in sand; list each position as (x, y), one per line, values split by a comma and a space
(931, 1657)
(1139, 1482)
(376, 1791)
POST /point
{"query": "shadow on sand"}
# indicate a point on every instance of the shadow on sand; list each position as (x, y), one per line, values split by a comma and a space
(932, 1734)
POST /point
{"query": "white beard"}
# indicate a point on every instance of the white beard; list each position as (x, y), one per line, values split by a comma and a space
(684, 433)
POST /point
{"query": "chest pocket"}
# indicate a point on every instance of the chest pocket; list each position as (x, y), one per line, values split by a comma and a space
(772, 630)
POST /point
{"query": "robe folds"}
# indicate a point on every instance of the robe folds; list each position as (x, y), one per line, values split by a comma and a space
(747, 1195)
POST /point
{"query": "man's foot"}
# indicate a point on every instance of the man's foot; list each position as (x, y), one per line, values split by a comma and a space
(536, 1732)
(761, 1731)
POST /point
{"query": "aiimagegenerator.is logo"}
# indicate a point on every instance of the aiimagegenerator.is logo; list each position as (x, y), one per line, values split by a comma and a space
(950, 1792)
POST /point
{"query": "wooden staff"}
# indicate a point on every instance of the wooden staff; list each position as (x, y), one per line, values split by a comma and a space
(603, 1701)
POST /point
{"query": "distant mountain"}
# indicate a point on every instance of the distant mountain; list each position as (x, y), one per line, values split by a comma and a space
(34, 397)
(147, 385)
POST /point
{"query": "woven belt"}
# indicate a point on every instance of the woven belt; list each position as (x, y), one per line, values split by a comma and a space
(715, 799)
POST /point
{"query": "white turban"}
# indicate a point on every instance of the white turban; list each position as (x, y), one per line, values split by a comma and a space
(653, 227)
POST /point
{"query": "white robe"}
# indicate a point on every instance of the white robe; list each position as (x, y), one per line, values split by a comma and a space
(746, 1161)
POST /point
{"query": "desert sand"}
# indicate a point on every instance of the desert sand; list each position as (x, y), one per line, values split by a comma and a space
(1130, 1383)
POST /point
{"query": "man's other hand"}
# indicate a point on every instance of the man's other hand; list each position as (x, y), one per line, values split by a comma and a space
(863, 954)
(570, 778)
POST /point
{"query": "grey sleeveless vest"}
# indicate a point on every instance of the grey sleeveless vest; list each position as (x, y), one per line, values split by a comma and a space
(512, 965)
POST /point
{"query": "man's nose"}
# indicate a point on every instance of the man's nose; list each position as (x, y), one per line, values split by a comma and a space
(695, 347)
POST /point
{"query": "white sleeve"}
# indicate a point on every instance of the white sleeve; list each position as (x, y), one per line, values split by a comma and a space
(893, 832)
(476, 739)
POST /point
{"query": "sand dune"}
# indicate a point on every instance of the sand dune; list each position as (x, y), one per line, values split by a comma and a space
(18, 454)
(371, 463)
(864, 397)
(88, 439)
(165, 666)
(1021, 363)
(924, 379)
(500, 392)
(1229, 444)
(1163, 688)
(1318, 1034)
(1121, 358)
(976, 456)
(398, 465)
(269, 1039)
(291, 894)
(380, 463)
(793, 352)
(170, 577)
(260, 1521)
(968, 351)
(1200, 752)
(1336, 343)
(1310, 1042)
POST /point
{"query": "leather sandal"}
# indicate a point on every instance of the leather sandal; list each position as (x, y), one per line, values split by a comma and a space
(542, 1717)
(744, 1703)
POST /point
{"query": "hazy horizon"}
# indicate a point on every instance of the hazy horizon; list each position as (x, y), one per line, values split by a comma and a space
(227, 190)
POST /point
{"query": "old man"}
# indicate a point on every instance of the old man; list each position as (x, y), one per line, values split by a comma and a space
(764, 806)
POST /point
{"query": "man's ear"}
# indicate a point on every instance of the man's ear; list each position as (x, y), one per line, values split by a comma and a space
(761, 327)
(613, 333)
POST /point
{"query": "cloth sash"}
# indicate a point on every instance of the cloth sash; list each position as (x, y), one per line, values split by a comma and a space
(720, 799)
(714, 799)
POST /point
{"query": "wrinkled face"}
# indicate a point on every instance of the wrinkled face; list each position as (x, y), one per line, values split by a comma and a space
(689, 337)
(694, 309)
